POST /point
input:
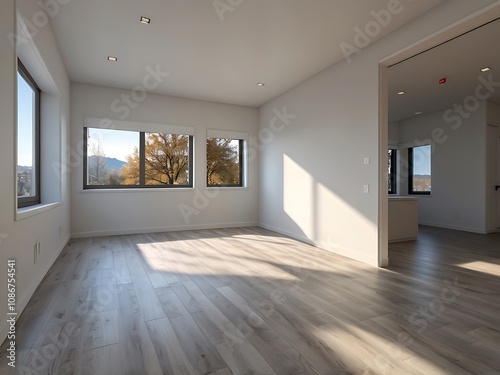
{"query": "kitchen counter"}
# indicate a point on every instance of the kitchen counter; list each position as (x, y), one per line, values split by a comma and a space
(403, 218)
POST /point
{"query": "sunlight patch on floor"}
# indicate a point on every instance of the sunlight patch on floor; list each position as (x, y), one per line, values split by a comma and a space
(181, 261)
(481, 266)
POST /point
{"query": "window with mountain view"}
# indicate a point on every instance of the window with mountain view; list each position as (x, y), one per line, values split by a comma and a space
(28, 139)
(224, 162)
(131, 159)
(419, 181)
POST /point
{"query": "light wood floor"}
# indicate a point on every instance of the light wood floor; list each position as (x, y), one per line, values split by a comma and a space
(249, 301)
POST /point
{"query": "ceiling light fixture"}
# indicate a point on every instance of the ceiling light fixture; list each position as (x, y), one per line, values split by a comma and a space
(401, 92)
(145, 20)
(418, 113)
(486, 69)
(261, 84)
(112, 58)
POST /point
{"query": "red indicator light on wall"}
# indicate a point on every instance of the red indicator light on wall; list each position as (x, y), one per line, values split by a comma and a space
(442, 81)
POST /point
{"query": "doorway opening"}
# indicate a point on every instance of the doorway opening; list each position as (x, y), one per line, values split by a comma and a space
(446, 141)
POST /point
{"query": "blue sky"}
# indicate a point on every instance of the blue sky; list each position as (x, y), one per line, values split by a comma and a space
(115, 143)
(25, 100)
(422, 160)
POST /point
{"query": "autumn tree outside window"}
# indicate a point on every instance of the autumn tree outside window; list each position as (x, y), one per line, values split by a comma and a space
(225, 158)
(136, 159)
(224, 162)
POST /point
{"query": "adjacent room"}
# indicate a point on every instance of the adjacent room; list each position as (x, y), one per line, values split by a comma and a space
(250, 187)
(443, 134)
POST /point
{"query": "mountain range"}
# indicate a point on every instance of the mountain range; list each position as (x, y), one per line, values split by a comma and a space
(111, 163)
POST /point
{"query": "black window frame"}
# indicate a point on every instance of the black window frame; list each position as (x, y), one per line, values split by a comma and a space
(142, 165)
(23, 202)
(410, 173)
(393, 181)
(241, 159)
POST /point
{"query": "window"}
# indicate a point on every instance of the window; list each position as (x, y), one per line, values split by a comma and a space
(131, 159)
(419, 181)
(224, 162)
(392, 168)
(28, 139)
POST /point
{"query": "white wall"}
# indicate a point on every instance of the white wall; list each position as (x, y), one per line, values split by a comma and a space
(18, 233)
(312, 172)
(493, 113)
(458, 168)
(393, 133)
(127, 211)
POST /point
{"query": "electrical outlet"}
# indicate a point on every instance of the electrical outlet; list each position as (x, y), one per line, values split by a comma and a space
(366, 189)
(366, 161)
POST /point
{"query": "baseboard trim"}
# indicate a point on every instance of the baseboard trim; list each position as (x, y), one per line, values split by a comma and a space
(287, 233)
(453, 227)
(402, 239)
(121, 232)
(489, 231)
(22, 302)
(326, 246)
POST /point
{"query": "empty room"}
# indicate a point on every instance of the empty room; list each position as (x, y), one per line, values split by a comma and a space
(250, 187)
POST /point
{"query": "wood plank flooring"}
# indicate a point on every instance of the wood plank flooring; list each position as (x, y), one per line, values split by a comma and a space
(250, 301)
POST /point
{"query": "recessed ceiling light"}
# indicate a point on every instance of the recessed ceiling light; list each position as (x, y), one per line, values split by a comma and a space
(401, 92)
(261, 84)
(486, 69)
(145, 20)
(112, 58)
(418, 113)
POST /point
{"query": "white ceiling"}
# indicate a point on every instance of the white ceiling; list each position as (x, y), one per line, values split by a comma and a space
(459, 60)
(278, 42)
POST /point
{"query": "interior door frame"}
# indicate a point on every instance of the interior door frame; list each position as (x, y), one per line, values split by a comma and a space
(492, 177)
(497, 181)
(472, 21)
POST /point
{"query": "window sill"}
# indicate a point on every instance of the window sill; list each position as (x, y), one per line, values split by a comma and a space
(134, 190)
(153, 190)
(26, 212)
(226, 188)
